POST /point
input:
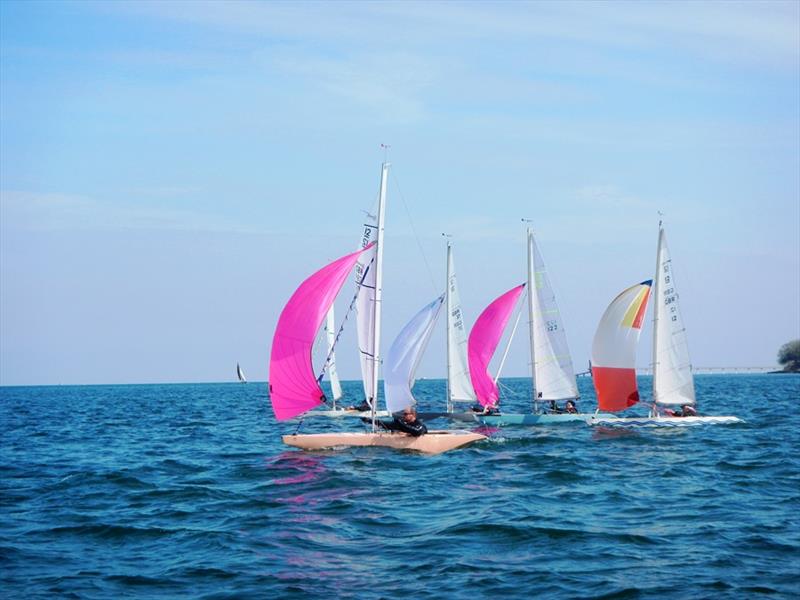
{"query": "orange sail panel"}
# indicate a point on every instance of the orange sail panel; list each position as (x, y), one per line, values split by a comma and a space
(614, 349)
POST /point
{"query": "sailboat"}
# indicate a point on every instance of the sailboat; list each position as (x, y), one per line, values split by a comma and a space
(333, 375)
(552, 374)
(294, 388)
(240, 374)
(483, 340)
(366, 323)
(673, 382)
(459, 385)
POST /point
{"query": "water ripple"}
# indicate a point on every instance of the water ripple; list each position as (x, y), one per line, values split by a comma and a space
(186, 490)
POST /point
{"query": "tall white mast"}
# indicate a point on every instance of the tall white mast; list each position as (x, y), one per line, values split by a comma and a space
(531, 288)
(378, 289)
(449, 307)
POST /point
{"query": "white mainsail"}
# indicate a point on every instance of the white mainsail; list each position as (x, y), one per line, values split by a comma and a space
(240, 373)
(404, 355)
(459, 385)
(376, 327)
(365, 304)
(553, 374)
(330, 332)
(369, 276)
(672, 369)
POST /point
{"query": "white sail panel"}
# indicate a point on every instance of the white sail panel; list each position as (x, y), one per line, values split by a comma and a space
(404, 356)
(330, 332)
(672, 369)
(240, 373)
(365, 304)
(554, 376)
(459, 383)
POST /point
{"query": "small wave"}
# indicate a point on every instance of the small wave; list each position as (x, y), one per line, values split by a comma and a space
(527, 532)
(139, 580)
(109, 532)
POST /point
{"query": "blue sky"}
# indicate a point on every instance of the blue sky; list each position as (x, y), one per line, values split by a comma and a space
(170, 171)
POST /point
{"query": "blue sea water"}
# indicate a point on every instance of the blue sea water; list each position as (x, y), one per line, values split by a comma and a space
(166, 491)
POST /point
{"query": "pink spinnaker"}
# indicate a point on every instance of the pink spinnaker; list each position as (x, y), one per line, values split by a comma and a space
(483, 340)
(293, 386)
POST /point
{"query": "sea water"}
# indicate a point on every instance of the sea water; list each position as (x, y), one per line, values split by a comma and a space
(167, 491)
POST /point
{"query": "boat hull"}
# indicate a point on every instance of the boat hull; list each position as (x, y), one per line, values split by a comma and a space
(434, 442)
(663, 421)
(536, 419)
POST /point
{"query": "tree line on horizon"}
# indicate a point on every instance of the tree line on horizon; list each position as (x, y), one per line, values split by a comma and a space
(789, 356)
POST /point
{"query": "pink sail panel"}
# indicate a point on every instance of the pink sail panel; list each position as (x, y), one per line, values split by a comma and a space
(293, 385)
(483, 340)
(614, 349)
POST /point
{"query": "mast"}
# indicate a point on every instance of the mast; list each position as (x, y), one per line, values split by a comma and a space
(449, 307)
(656, 307)
(378, 289)
(531, 284)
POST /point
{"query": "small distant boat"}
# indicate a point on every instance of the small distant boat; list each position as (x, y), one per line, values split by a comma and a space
(294, 388)
(240, 374)
(673, 382)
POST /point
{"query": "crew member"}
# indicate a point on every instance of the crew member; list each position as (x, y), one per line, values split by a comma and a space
(407, 422)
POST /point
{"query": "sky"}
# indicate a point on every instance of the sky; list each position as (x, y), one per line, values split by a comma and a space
(171, 171)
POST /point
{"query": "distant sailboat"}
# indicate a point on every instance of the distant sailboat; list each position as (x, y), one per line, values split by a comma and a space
(294, 389)
(333, 375)
(459, 385)
(552, 374)
(240, 374)
(673, 382)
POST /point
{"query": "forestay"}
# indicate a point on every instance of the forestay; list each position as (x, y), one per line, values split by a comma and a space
(404, 355)
(672, 370)
(553, 374)
(483, 340)
(614, 349)
(293, 385)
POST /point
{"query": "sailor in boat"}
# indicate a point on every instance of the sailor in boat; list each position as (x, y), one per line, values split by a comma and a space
(685, 411)
(491, 409)
(364, 406)
(407, 422)
(570, 407)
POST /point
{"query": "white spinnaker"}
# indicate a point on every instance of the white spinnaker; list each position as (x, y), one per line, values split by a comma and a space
(330, 332)
(459, 383)
(404, 355)
(365, 304)
(553, 374)
(672, 369)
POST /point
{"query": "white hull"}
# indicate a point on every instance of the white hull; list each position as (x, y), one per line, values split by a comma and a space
(433, 442)
(662, 421)
(536, 419)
